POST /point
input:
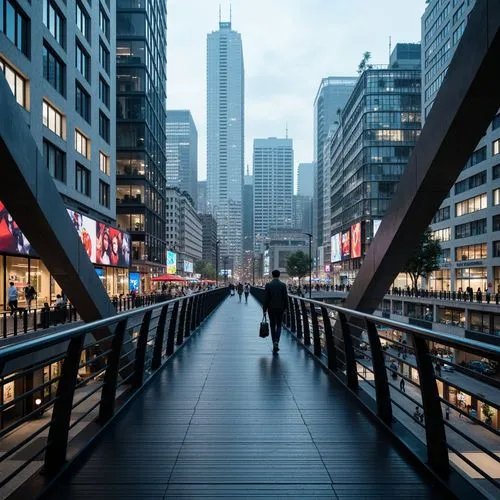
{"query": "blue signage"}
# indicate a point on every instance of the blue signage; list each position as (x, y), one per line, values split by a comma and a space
(134, 280)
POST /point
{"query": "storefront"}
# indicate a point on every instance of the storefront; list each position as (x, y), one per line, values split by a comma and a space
(474, 277)
(440, 280)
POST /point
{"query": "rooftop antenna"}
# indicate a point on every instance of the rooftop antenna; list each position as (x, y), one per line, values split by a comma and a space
(286, 131)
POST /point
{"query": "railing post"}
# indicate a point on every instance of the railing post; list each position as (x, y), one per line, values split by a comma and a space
(292, 315)
(298, 319)
(194, 313)
(160, 335)
(108, 394)
(316, 336)
(330, 343)
(189, 313)
(305, 323)
(384, 406)
(140, 351)
(350, 359)
(199, 315)
(437, 450)
(171, 329)
(182, 320)
(57, 442)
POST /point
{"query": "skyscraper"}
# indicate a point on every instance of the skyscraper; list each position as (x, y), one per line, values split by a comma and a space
(248, 242)
(182, 152)
(305, 179)
(140, 132)
(273, 186)
(225, 137)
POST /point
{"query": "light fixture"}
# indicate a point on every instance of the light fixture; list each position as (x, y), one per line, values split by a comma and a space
(38, 401)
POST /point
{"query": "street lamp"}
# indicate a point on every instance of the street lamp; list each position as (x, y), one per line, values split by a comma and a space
(310, 262)
(217, 243)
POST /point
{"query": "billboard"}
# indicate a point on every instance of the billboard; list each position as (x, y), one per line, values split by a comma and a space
(104, 244)
(188, 266)
(134, 280)
(12, 240)
(346, 245)
(327, 268)
(376, 225)
(336, 254)
(171, 262)
(356, 240)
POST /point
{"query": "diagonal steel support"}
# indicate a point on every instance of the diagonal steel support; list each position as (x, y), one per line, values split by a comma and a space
(30, 195)
(468, 100)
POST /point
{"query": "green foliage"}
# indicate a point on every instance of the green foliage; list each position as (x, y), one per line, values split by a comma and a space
(206, 269)
(425, 259)
(364, 63)
(298, 264)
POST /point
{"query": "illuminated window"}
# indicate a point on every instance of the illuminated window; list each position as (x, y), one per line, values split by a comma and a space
(82, 144)
(471, 205)
(103, 163)
(53, 120)
(17, 83)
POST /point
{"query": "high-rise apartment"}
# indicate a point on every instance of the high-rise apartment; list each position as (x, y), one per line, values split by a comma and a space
(182, 152)
(225, 137)
(330, 99)
(141, 124)
(368, 154)
(273, 186)
(468, 221)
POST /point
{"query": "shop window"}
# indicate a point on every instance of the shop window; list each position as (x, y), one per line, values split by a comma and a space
(397, 307)
(82, 144)
(452, 317)
(474, 277)
(480, 322)
(17, 83)
(17, 272)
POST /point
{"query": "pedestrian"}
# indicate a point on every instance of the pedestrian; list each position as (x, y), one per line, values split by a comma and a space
(240, 290)
(247, 292)
(275, 304)
(29, 294)
(13, 296)
(231, 289)
(402, 385)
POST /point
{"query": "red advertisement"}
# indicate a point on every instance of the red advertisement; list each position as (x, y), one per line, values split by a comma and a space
(112, 246)
(12, 240)
(346, 245)
(356, 240)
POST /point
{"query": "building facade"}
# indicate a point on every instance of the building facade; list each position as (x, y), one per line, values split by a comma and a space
(202, 197)
(273, 186)
(182, 152)
(225, 137)
(468, 221)
(279, 246)
(368, 154)
(248, 241)
(141, 125)
(67, 94)
(305, 179)
(209, 230)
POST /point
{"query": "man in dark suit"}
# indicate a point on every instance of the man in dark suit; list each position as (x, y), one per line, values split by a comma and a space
(275, 304)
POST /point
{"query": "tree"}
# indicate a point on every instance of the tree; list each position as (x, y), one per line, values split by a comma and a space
(364, 63)
(298, 265)
(425, 259)
(205, 269)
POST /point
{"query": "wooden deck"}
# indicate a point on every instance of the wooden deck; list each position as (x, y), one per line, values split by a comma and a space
(227, 419)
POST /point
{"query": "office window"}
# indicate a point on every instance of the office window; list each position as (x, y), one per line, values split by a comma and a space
(104, 22)
(471, 182)
(17, 83)
(442, 234)
(82, 61)
(495, 147)
(477, 157)
(104, 126)
(15, 24)
(54, 21)
(470, 229)
(82, 179)
(82, 104)
(496, 222)
(82, 144)
(54, 70)
(103, 193)
(53, 120)
(82, 20)
(471, 252)
(104, 56)
(471, 205)
(496, 249)
(104, 92)
(496, 197)
(103, 163)
(441, 215)
(55, 161)
(496, 171)
(496, 122)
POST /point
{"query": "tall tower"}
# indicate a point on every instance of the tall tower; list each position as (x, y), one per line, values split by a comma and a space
(273, 186)
(225, 138)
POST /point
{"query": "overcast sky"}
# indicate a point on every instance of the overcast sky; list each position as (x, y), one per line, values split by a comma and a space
(288, 46)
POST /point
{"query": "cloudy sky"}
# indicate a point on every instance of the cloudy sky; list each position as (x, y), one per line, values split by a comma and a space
(288, 46)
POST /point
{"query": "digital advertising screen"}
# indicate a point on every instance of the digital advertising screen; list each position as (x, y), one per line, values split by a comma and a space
(346, 245)
(327, 268)
(171, 262)
(336, 243)
(86, 229)
(12, 239)
(376, 225)
(134, 280)
(188, 266)
(356, 240)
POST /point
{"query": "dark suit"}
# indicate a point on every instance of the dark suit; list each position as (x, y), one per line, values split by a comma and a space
(275, 303)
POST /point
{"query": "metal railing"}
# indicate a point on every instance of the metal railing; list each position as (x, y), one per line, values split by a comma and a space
(445, 413)
(69, 384)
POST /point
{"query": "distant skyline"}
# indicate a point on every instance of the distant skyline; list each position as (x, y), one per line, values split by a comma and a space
(288, 45)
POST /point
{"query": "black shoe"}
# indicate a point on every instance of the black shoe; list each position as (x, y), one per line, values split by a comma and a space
(276, 347)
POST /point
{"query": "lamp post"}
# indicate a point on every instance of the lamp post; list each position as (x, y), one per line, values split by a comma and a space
(217, 243)
(310, 262)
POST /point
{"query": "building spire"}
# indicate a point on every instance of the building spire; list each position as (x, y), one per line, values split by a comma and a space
(220, 13)
(230, 13)
(286, 130)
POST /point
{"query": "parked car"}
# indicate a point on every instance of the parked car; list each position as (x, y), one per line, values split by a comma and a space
(480, 367)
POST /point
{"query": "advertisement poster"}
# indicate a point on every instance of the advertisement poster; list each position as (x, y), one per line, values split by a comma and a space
(376, 225)
(134, 280)
(336, 255)
(188, 266)
(12, 240)
(327, 268)
(346, 245)
(86, 229)
(8, 392)
(356, 240)
(171, 262)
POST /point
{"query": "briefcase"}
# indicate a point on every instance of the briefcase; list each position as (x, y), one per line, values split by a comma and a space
(264, 327)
